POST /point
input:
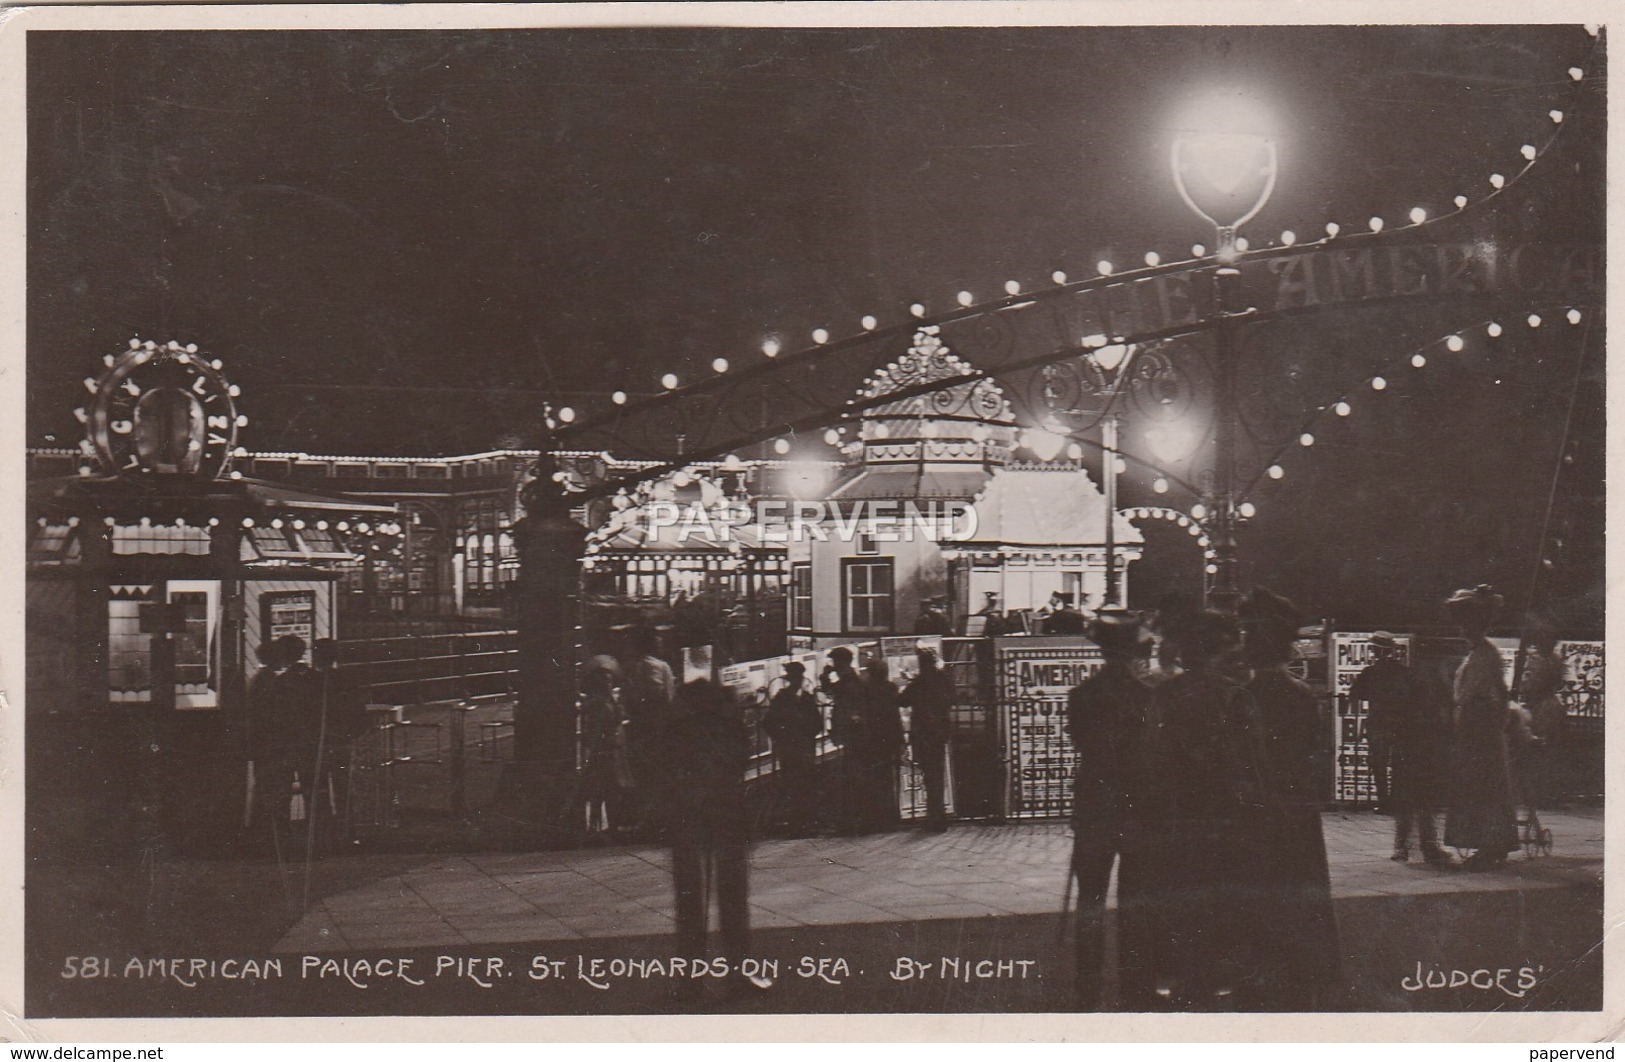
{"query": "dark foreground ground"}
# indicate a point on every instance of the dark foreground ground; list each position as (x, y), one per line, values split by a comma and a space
(960, 922)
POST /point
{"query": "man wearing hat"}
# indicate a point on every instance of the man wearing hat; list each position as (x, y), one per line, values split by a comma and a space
(929, 698)
(1388, 688)
(1065, 619)
(793, 723)
(933, 619)
(1108, 719)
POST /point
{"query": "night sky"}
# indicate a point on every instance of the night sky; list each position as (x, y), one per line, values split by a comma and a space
(400, 242)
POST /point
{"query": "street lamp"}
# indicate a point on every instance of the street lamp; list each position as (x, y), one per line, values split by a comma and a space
(1224, 162)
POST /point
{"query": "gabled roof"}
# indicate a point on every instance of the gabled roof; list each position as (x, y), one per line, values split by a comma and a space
(1045, 506)
(913, 483)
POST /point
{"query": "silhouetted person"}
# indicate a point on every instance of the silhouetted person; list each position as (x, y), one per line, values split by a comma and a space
(929, 698)
(793, 723)
(881, 749)
(1108, 718)
(1412, 714)
(1296, 931)
(932, 618)
(1544, 678)
(701, 772)
(648, 686)
(849, 720)
(1388, 688)
(1065, 619)
(1482, 816)
(1213, 811)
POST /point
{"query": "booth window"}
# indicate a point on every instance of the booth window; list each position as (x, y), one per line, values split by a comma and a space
(867, 586)
(196, 649)
(801, 597)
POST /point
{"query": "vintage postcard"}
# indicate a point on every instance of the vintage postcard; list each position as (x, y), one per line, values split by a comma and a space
(546, 521)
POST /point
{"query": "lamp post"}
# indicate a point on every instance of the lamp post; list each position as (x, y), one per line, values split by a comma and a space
(1224, 163)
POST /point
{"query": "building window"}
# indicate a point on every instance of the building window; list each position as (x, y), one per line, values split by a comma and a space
(867, 597)
(866, 545)
(801, 597)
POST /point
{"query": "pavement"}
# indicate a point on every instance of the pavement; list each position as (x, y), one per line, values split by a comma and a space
(970, 871)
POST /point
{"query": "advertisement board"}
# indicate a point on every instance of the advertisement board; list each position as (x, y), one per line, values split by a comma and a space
(1034, 680)
(1351, 653)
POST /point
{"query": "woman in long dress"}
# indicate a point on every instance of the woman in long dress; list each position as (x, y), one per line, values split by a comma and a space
(1482, 816)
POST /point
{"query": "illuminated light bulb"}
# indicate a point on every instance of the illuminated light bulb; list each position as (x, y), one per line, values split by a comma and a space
(882, 432)
(1213, 569)
(135, 344)
(719, 365)
(1494, 329)
(770, 347)
(234, 391)
(869, 322)
(1378, 383)
(1152, 258)
(964, 298)
(831, 437)
(619, 398)
(1103, 267)
(248, 521)
(1058, 276)
(781, 446)
(820, 335)
(1418, 215)
(918, 309)
(1248, 510)
(191, 348)
(1418, 360)
(1199, 510)
(1534, 320)
(732, 463)
(1193, 531)
(1241, 243)
(558, 477)
(1119, 465)
(184, 359)
(1574, 316)
(1306, 439)
(1074, 452)
(1497, 180)
(1460, 201)
(236, 474)
(344, 525)
(321, 525)
(1333, 228)
(1376, 224)
(240, 452)
(1012, 287)
(1455, 343)
(277, 523)
(1555, 116)
(1182, 521)
(298, 525)
(1528, 152)
(567, 414)
(1343, 409)
(1576, 73)
(1288, 238)
(1276, 471)
(217, 365)
(1160, 485)
(1197, 250)
(150, 345)
(669, 381)
(84, 470)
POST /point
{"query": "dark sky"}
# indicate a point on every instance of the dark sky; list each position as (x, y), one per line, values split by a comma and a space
(507, 212)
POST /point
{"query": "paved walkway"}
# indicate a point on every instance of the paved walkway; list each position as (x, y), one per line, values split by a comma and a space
(969, 871)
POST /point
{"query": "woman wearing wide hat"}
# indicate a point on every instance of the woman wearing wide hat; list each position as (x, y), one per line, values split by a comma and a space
(1482, 816)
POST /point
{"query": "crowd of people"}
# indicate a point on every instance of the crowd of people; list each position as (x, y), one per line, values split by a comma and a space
(1200, 763)
(1196, 776)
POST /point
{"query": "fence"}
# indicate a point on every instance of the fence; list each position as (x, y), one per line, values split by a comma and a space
(440, 726)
